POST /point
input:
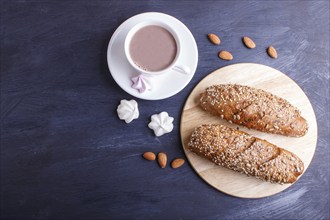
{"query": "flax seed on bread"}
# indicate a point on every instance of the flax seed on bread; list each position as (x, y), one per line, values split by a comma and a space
(244, 153)
(253, 108)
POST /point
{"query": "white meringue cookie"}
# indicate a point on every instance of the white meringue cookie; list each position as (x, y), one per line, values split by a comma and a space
(128, 110)
(161, 123)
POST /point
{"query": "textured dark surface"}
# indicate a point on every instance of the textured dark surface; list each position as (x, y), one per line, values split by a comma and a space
(65, 153)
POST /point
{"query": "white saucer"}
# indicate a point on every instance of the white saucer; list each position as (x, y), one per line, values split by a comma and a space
(165, 85)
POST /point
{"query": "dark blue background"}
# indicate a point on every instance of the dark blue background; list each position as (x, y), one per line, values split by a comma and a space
(65, 153)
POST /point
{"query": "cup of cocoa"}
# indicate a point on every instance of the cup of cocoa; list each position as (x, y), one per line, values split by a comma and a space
(152, 48)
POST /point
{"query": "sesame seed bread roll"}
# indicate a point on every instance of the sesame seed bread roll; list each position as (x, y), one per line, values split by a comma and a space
(244, 153)
(254, 108)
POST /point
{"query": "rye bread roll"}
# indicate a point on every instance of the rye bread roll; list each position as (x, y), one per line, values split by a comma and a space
(254, 108)
(244, 153)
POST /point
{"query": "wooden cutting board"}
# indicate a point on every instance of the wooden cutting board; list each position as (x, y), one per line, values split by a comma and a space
(262, 77)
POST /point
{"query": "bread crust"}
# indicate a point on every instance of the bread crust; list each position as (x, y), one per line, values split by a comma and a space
(254, 108)
(244, 153)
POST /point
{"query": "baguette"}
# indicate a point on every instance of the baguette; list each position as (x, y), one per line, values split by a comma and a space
(244, 153)
(254, 108)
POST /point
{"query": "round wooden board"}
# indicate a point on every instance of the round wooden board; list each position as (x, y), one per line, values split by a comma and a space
(262, 77)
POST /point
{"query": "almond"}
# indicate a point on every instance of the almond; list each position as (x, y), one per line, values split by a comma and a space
(248, 42)
(225, 55)
(162, 159)
(214, 39)
(149, 156)
(177, 163)
(272, 52)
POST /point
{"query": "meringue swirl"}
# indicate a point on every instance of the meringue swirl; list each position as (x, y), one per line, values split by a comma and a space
(141, 83)
(128, 110)
(161, 123)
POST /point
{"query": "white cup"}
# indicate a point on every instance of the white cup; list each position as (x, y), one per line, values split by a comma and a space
(143, 74)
